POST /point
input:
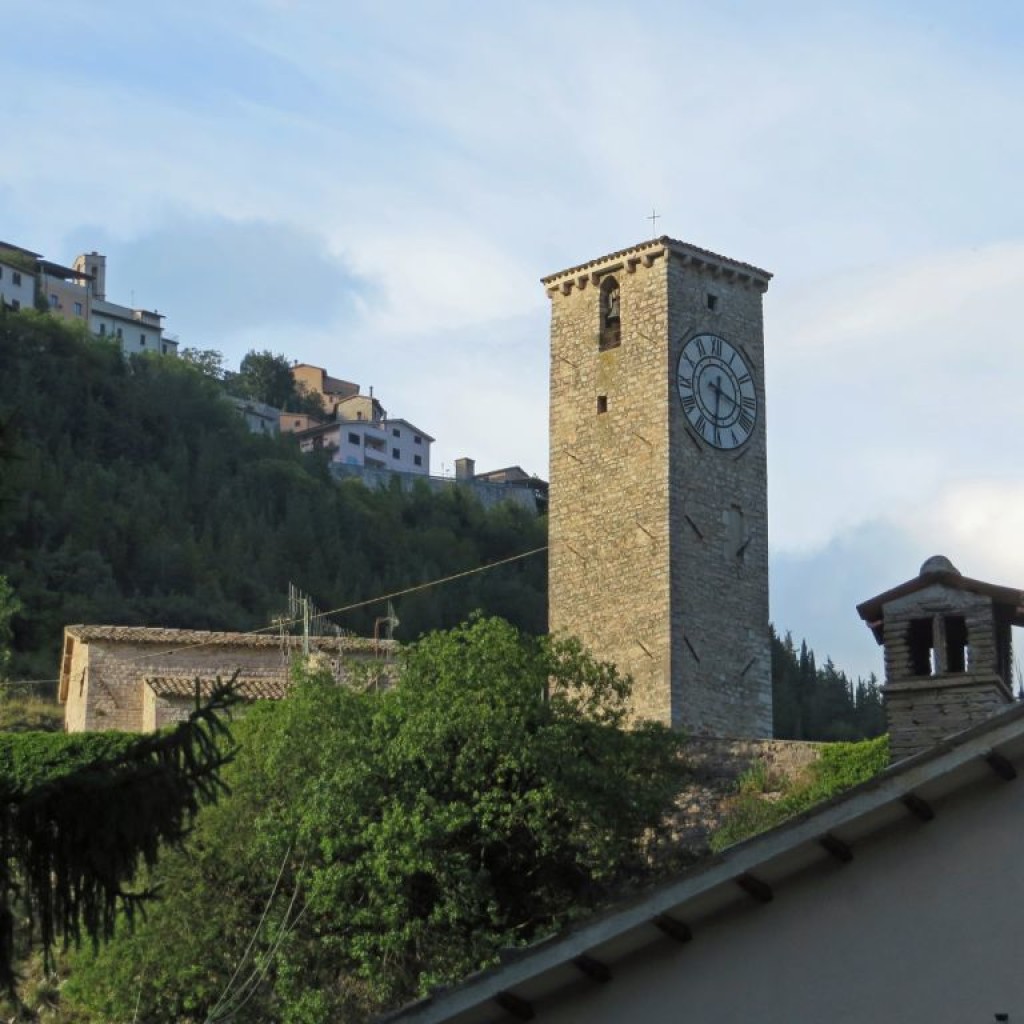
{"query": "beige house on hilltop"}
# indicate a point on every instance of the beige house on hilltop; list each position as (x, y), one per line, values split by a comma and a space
(139, 678)
(78, 294)
(315, 380)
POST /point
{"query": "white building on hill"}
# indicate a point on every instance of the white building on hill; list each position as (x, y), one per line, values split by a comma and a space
(79, 293)
(17, 277)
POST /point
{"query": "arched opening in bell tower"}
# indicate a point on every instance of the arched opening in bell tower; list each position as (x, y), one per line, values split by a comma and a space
(611, 323)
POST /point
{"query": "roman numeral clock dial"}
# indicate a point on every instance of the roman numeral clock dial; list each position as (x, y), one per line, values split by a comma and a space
(717, 391)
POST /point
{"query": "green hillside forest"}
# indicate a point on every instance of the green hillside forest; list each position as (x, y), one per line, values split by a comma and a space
(134, 494)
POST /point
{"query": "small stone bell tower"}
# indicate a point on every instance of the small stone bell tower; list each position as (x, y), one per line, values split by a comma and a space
(948, 653)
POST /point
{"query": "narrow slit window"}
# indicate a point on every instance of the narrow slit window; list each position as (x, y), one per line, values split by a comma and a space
(602, 404)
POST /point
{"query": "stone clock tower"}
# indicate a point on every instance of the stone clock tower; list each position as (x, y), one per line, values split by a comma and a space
(658, 499)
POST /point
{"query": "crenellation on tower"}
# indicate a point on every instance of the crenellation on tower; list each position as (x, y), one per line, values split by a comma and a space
(658, 516)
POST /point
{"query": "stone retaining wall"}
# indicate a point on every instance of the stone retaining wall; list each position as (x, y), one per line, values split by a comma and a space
(717, 765)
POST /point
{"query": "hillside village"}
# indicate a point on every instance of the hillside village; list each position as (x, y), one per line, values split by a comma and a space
(354, 428)
(78, 294)
(718, 814)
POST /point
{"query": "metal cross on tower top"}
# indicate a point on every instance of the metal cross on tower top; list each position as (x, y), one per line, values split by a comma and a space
(654, 218)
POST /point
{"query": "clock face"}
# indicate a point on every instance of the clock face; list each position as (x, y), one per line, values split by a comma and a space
(717, 390)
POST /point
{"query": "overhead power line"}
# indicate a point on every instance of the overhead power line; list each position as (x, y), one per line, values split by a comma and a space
(435, 583)
(358, 604)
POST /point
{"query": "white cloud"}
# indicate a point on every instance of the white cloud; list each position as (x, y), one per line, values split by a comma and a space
(888, 387)
(866, 310)
(815, 593)
(978, 524)
(438, 278)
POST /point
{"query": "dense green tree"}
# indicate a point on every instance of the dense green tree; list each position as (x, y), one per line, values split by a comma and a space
(304, 400)
(79, 815)
(377, 843)
(265, 377)
(870, 706)
(206, 360)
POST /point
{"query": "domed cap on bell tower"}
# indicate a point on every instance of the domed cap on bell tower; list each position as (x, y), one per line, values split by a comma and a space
(936, 564)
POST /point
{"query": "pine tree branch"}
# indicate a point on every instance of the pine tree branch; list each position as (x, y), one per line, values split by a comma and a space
(70, 845)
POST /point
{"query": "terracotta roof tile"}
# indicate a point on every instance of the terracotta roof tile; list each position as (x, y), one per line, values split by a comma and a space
(207, 638)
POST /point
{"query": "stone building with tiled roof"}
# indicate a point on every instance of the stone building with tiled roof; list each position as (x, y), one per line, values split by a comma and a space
(140, 678)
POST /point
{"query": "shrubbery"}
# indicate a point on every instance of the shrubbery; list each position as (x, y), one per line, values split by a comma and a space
(764, 802)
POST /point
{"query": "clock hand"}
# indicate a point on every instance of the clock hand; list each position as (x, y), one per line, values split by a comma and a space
(719, 392)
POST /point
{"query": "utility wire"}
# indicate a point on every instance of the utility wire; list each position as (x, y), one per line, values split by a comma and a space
(259, 972)
(275, 626)
(217, 1006)
(356, 604)
(435, 583)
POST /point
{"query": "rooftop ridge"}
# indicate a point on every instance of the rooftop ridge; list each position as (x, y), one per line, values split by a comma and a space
(215, 638)
(664, 242)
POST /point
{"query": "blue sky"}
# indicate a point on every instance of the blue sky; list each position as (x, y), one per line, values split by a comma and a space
(378, 187)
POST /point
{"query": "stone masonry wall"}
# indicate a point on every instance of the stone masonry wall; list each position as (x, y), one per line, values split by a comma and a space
(117, 672)
(608, 501)
(717, 765)
(923, 712)
(721, 655)
(937, 602)
(159, 712)
(108, 689)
